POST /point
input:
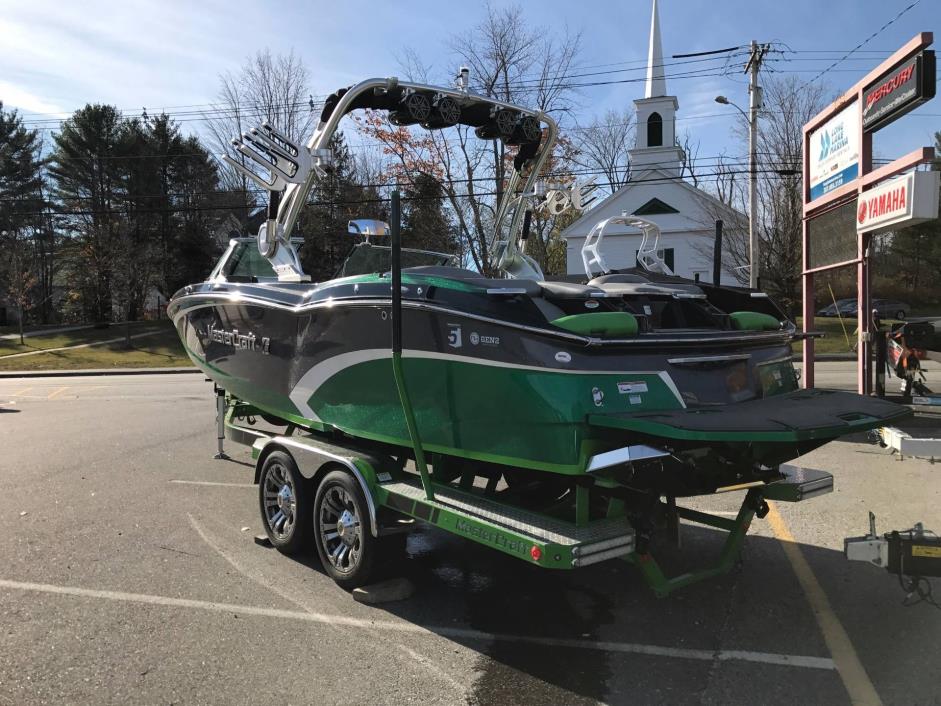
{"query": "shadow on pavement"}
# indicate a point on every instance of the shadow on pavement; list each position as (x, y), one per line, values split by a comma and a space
(759, 607)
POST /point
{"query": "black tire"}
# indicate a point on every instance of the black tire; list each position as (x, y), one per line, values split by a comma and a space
(343, 531)
(900, 314)
(284, 498)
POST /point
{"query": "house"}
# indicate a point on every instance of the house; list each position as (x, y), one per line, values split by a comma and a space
(657, 192)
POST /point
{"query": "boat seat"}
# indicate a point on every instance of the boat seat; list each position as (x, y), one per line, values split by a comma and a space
(530, 287)
(607, 324)
(569, 290)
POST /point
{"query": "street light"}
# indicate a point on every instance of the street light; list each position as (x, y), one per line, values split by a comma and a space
(752, 121)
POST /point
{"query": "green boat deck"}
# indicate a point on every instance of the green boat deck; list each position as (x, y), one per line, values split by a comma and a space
(801, 415)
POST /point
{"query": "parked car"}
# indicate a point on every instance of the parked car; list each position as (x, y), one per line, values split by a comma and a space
(888, 308)
(845, 307)
(891, 308)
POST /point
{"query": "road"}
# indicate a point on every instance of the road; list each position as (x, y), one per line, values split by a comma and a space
(841, 375)
(129, 574)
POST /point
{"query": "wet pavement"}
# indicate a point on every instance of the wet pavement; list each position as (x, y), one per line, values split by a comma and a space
(120, 583)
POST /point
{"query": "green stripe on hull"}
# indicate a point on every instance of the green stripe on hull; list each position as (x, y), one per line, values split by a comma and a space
(509, 415)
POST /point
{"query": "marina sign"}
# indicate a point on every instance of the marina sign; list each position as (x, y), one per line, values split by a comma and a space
(898, 203)
(899, 91)
(834, 152)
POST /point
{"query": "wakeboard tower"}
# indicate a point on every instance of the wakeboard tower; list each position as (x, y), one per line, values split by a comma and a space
(579, 405)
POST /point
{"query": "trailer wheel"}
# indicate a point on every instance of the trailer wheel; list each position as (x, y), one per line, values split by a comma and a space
(286, 505)
(347, 548)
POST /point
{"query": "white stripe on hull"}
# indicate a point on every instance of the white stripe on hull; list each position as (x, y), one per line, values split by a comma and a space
(314, 378)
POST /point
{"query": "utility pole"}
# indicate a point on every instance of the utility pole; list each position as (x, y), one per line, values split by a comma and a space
(754, 90)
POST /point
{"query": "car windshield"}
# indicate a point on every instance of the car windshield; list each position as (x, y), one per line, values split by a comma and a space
(368, 259)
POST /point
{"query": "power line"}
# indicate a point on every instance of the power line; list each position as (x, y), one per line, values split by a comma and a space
(863, 43)
(347, 202)
(202, 108)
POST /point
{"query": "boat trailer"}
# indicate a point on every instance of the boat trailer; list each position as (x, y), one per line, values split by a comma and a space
(473, 507)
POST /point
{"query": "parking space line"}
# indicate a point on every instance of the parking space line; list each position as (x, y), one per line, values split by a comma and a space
(858, 685)
(784, 660)
(56, 392)
(211, 482)
(21, 392)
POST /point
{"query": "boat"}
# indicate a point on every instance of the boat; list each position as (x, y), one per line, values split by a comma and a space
(633, 380)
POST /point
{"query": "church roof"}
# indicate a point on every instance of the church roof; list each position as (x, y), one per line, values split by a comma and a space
(691, 208)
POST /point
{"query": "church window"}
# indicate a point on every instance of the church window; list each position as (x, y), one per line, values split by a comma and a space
(655, 130)
(654, 207)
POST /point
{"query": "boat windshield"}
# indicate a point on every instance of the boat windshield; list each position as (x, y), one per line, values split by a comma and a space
(243, 263)
(367, 258)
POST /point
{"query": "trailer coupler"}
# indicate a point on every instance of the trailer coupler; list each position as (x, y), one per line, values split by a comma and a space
(913, 555)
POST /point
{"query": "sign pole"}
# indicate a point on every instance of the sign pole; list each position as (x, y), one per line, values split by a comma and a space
(754, 91)
(837, 170)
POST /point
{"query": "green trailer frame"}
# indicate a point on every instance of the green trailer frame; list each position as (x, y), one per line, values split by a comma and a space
(470, 505)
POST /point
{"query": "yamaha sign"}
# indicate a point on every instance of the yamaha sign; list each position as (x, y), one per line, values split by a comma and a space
(898, 203)
(902, 89)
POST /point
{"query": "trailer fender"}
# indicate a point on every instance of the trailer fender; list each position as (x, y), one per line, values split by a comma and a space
(314, 462)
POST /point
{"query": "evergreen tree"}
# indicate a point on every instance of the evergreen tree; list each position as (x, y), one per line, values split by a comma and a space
(20, 172)
(335, 200)
(426, 225)
(914, 258)
(200, 208)
(89, 184)
(20, 210)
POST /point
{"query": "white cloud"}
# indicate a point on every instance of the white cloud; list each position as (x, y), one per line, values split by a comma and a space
(14, 96)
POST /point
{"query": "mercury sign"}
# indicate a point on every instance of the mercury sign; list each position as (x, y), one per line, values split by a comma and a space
(834, 152)
(898, 203)
(902, 89)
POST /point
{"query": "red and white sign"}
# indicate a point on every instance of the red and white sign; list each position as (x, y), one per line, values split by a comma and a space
(898, 203)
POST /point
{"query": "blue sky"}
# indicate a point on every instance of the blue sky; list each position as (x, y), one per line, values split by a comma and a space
(57, 56)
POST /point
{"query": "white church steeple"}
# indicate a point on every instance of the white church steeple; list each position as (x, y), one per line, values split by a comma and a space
(656, 85)
(655, 133)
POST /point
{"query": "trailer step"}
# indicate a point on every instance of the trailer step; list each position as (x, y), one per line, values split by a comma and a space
(798, 484)
(596, 541)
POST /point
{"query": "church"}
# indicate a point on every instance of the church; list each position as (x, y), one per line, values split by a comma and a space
(656, 192)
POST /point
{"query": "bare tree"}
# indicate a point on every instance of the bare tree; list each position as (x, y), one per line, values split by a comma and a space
(511, 60)
(20, 279)
(788, 105)
(603, 146)
(272, 88)
(689, 167)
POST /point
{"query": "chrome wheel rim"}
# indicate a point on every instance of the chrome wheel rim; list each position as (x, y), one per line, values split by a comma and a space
(280, 501)
(340, 529)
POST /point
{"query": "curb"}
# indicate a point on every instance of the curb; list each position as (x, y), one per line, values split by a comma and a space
(827, 358)
(93, 372)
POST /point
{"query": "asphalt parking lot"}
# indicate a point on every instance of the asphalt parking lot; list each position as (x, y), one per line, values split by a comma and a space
(128, 574)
